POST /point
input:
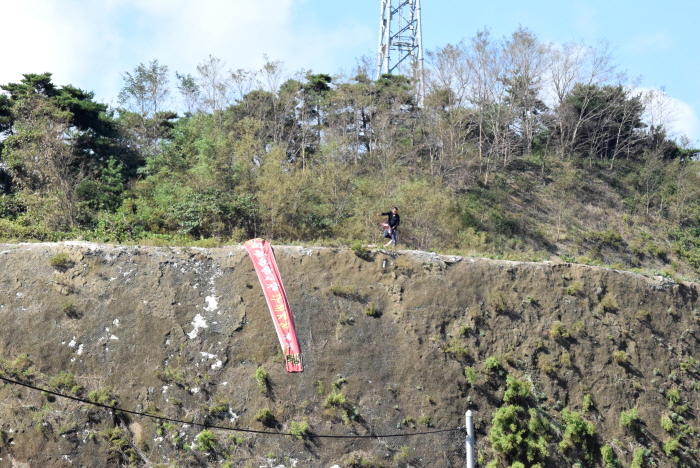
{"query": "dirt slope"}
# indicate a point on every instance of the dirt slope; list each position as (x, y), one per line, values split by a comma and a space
(181, 333)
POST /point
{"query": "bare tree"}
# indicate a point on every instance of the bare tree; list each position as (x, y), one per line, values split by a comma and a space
(586, 67)
(215, 85)
(486, 93)
(529, 60)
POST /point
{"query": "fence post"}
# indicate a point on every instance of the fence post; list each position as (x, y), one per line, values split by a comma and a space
(470, 440)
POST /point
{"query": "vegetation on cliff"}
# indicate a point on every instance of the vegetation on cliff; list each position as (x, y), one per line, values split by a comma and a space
(562, 364)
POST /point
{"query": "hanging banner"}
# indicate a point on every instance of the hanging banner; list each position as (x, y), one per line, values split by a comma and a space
(263, 259)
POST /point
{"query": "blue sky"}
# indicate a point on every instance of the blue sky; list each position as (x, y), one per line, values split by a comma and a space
(90, 44)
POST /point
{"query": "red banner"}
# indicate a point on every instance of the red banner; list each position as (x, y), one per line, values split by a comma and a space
(260, 252)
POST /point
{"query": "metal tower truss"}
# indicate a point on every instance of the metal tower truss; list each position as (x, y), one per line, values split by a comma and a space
(400, 42)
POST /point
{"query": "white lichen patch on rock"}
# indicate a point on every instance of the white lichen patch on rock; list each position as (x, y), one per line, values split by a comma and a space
(217, 365)
(198, 322)
(212, 303)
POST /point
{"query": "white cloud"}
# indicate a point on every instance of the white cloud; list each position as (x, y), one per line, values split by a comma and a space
(687, 123)
(679, 117)
(40, 40)
(91, 44)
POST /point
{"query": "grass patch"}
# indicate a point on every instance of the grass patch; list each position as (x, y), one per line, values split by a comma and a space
(61, 261)
(371, 310)
(347, 291)
(620, 357)
(456, 348)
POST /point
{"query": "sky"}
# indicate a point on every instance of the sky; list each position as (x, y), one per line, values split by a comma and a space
(91, 44)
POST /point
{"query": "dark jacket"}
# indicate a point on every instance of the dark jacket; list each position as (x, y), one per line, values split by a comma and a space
(394, 219)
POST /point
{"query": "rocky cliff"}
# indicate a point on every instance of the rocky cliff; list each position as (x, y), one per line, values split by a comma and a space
(393, 343)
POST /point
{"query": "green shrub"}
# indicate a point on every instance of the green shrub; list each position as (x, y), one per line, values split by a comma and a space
(360, 250)
(220, 406)
(334, 400)
(565, 358)
(456, 348)
(666, 423)
(642, 315)
(471, 375)
(673, 396)
(517, 438)
(516, 390)
(205, 441)
(609, 458)
(300, 429)
(370, 310)
(492, 364)
(558, 331)
(578, 432)
(608, 303)
(207, 243)
(671, 445)
(103, 396)
(356, 461)
(339, 381)
(265, 416)
(64, 381)
(546, 364)
(497, 301)
(587, 403)
(629, 418)
(60, 260)
(573, 289)
(403, 455)
(261, 377)
(426, 421)
(620, 357)
(639, 456)
(18, 368)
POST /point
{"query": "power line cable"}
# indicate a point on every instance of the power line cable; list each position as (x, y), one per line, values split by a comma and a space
(225, 428)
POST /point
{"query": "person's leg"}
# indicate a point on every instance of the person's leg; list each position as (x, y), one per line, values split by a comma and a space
(393, 236)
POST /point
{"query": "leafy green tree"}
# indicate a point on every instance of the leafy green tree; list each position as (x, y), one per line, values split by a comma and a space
(104, 193)
(57, 138)
(40, 158)
(190, 92)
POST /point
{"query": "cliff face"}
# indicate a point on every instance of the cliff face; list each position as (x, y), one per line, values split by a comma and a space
(183, 333)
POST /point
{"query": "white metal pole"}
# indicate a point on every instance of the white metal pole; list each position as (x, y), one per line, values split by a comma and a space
(470, 440)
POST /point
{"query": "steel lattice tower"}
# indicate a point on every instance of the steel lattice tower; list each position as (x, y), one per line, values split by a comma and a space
(400, 42)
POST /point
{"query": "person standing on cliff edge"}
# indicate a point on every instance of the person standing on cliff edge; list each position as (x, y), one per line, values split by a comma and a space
(393, 220)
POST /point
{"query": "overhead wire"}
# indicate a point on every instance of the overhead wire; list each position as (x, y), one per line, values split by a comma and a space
(225, 428)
